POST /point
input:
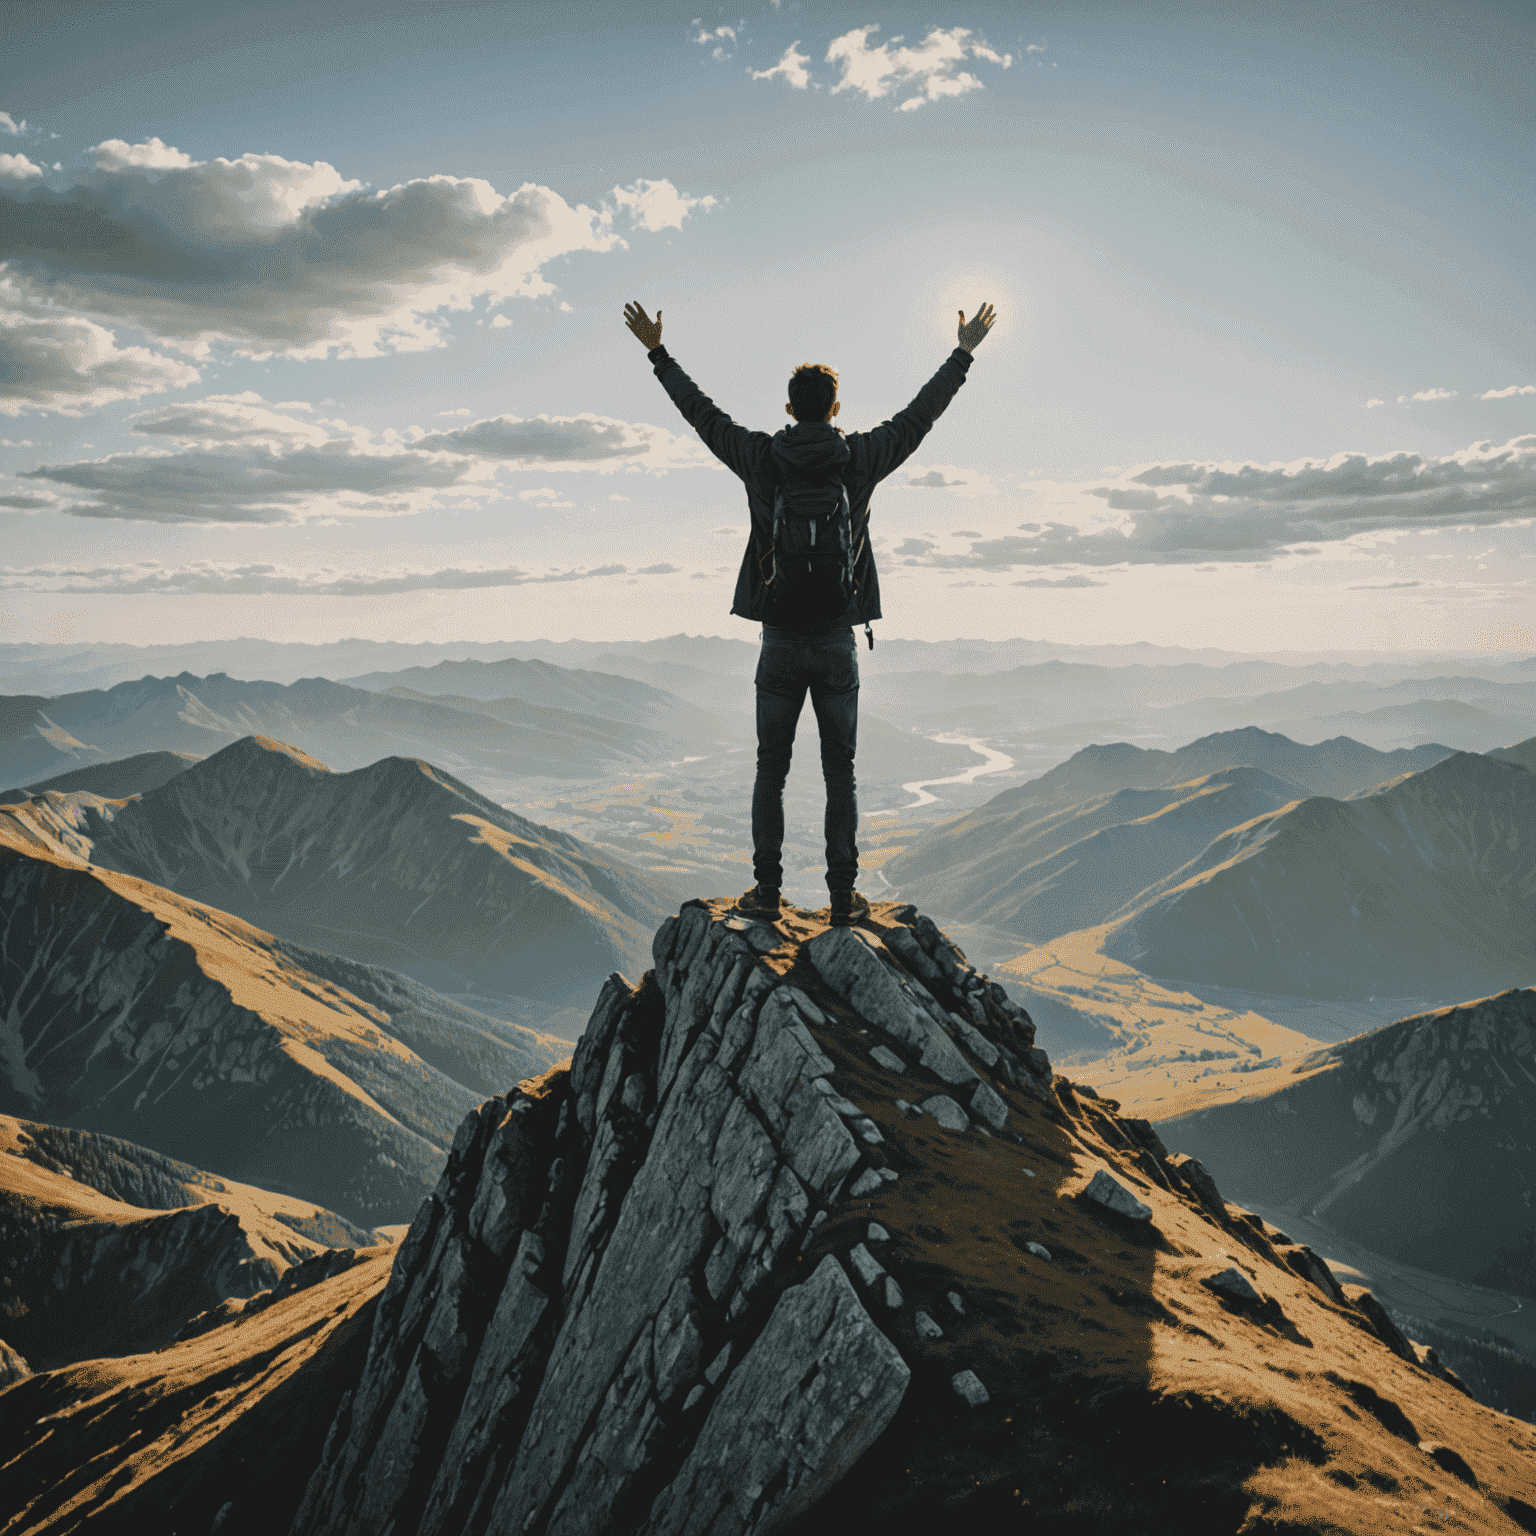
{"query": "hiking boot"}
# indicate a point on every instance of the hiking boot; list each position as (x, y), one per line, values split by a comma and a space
(760, 901)
(847, 906)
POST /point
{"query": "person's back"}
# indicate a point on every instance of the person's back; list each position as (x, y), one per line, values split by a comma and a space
(808, 576)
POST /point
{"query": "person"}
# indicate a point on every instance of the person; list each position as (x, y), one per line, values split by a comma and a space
(806, 480)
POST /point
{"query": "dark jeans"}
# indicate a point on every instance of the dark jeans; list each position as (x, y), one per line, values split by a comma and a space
(825, 662)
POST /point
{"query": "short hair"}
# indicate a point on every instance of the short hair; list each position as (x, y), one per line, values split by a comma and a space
(812, 389)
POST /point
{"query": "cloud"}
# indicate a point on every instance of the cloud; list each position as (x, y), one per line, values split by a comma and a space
(1504, 394)
(1066, 581)
(26, 503)
(241, 461)
(1385, 586)
(658, 205)
(933, 480)
(271, 256)
(10, 125)
(792, 68)
(1250, 512)
(462, 410)
(546, 496)
(208, 577)
(932, 68)
(1371, 405)
(243, 418)
(580, 442)
(500, 323)
(18, 168)
(58, 363)
(659, 570)
(719, 37)
(1424, 396)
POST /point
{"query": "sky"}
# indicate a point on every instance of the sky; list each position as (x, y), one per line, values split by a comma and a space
(310, 314)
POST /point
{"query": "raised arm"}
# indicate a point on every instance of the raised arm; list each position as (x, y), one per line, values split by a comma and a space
(740, 450)
(893, 442)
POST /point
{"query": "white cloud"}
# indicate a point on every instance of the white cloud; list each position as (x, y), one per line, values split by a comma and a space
(1371, 405)
(18, 168)
(1250, 512)
(51, 362)
(10, 125)
(460, 410)
(500, 323)
(718, 37)
(1427, 395)
(793, 68)
(1066, 581)
(658, 205)
(271, 256)
(119, 155)
(546, 496)
(932, 68)
(1506, 393)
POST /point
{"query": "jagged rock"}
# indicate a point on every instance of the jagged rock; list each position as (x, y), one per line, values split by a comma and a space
(967, 1384)
(847, 960)
(975, 1042)
(888, 1058)
(955, 1301)
(1381, 1322)
(892, 1294)
(1192, 1172)
(927, 1328)
(987, 1106)
(877, 1234)
(1310, 1266)
(1038, 1251)
(1234, 1283)
(812, 1394)
(12, 1366)
(866, 1266)
(946, 1112)
(1114, 1196)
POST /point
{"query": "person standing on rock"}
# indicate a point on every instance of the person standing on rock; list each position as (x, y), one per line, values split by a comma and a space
(808, 577)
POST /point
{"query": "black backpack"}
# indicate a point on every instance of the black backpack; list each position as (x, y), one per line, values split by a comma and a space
(810, 568)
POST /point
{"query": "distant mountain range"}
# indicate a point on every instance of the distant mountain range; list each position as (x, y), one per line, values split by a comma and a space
(1417, 1140)
(1024, 861)
(1039, 873)
(510, 740)
(135, 1012)
(1426, 887)
(116, 780)
(396, 864)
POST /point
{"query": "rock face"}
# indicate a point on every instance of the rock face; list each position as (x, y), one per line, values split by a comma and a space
(604, 1320)
(1417, 1140)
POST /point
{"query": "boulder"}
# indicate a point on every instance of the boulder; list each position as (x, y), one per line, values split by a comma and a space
(1110, 1193)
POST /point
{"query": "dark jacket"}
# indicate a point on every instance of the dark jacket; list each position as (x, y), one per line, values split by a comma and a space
(860, 459)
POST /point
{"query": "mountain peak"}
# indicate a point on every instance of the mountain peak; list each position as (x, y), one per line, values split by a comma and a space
(809, 1232)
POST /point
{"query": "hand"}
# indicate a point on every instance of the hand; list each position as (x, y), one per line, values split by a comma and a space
(646, 330)
(972, 335)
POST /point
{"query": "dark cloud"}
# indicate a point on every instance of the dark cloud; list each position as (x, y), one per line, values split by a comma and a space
(69, 365)
(1252, 512)
(933, 480)
(278, 256)
(1066, 581)
(568, 440)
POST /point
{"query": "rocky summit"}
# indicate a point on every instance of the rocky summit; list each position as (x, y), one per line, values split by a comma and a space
(808, 1234)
